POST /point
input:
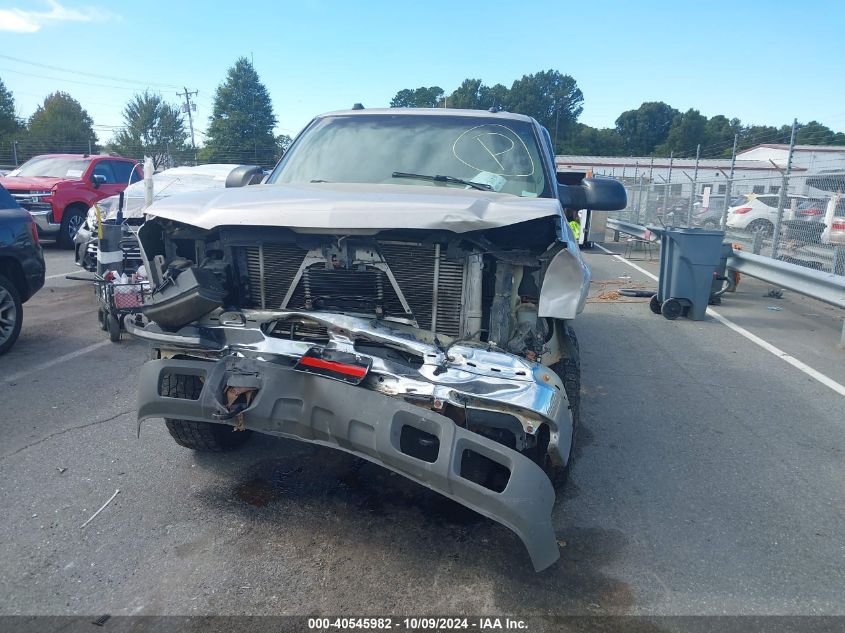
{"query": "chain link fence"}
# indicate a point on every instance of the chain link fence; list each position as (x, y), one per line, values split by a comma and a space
(797, 218)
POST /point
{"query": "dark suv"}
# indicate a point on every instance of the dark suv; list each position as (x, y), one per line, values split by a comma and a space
(21, 267)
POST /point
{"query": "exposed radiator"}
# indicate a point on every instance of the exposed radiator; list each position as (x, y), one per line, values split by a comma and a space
(270, 275)
(413, 266)
(272, 268)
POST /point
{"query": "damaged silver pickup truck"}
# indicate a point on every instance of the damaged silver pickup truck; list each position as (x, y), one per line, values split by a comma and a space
(400, 288)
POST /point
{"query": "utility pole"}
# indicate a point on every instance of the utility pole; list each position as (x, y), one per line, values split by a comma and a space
(254, 126)
(188, 107)
(666, 191)
(728, 185)
(15, 151)
(694, 185)
(636, 182)
(783, 188)
(557, 122)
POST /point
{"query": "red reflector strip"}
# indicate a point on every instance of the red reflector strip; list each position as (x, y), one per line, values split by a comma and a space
(328, 365)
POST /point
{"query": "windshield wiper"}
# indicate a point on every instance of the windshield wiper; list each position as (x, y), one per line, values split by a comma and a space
(458, 181)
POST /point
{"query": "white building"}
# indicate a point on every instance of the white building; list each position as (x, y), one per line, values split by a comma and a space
(814, 158)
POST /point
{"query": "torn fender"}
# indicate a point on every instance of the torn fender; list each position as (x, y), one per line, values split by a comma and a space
(566, 285)
(367, 424)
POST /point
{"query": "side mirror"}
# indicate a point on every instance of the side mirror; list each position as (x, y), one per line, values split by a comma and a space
(97, 180)
(244, 175)
(596, 194)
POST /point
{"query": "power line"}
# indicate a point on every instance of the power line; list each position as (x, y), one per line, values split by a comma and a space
(94, 75)
(72, 81)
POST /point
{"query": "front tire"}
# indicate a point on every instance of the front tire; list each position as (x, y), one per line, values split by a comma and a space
(72, 220)
(199, 436)
(568, 370)
(11, 314)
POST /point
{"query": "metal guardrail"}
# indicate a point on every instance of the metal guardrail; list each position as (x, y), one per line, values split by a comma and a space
(629, 228)
(819, 285)
(822, 286)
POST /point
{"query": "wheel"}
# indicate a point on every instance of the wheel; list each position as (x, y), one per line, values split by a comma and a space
(113, 328)
(199, 436)
(762, 226)
(568, 370)
(11, 314)
(102, 319)
(72, 220)
(671, 309)
(654, 304)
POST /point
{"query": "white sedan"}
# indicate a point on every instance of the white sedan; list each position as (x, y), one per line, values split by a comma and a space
(759, 212)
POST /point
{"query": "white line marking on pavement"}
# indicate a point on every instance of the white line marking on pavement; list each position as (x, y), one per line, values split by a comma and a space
(55, 361)
(812, 373)
(70, 272)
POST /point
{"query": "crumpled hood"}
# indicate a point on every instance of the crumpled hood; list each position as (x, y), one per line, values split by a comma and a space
(353, 208)
(16, 183)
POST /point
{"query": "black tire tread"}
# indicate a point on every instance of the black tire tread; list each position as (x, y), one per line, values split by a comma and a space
(568, 370)
(13, 290)
(63, 240)
(200, 436)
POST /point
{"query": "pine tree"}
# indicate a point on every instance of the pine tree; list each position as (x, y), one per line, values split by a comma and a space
(242, 122)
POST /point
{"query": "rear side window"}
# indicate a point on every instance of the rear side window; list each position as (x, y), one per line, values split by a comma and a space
(122, 170)
(6, 199)
(769, 201)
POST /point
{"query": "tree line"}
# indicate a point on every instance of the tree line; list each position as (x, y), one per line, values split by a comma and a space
(653, 129)
(240, 128)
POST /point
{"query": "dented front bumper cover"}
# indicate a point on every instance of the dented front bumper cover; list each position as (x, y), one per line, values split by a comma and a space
(368, 423)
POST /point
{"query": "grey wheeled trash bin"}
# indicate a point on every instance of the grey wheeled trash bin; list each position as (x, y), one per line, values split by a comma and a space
(688, 260)
(109, 252)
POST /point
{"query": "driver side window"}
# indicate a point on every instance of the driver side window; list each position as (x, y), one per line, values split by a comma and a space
(103, 168)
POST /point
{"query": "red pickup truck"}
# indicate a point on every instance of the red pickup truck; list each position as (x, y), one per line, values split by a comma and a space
(58, 189)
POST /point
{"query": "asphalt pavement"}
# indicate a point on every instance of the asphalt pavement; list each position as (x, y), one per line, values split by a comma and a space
(709, 480)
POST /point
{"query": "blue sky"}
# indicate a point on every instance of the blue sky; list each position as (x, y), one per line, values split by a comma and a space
(764, 62)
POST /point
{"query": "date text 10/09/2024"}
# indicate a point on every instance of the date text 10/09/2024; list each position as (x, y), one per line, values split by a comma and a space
(416, 624)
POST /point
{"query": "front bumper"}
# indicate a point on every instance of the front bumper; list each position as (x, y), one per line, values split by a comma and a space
(369, 425)
(44, 221)
(367, 419)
